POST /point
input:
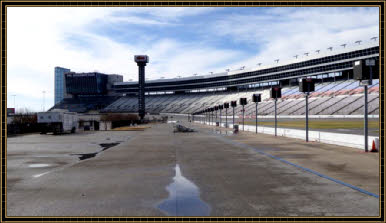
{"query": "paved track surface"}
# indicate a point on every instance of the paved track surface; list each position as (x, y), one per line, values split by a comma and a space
(130, 179)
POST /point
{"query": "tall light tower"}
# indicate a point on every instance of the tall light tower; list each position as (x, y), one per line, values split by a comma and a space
(14, 104)
(243, 102)
(363, 71)
(141, 61)
(44, 100)
(306, 86)
(275, 94)
(256, 98)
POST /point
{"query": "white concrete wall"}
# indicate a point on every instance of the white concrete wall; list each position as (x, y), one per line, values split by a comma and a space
(282, 116)
(350, 140)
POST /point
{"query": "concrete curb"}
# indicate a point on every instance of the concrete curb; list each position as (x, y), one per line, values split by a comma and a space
(349, 140)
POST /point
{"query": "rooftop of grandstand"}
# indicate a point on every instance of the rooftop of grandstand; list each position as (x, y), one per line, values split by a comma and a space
(301, 58)
(341, 60)
(84, 103)
(313, 55)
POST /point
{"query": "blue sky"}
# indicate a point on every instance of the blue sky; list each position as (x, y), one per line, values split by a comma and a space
(179, 41)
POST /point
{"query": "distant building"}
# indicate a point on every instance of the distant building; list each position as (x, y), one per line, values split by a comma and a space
(60, 83)
(10, 111)
(92, 83)
(113, 78)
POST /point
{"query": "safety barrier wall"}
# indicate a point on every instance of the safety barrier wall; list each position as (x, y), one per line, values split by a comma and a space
(350, 140)
(279, 116)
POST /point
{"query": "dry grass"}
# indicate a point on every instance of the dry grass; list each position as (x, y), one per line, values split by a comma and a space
(320, 124)
(131, 128)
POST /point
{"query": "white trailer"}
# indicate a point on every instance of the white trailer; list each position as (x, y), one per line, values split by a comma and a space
(58, 122)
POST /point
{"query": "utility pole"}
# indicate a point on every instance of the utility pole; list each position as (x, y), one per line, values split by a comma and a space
(256, 117)
(275, 94)
(220, 107)
(243, 117)
(256, 98)
(226, 106)
(213, 116)
(363, 72)
(233, 104)
(233, 116)
(216, 108)
(205, 116)
(44, 100)
(366, 133)
(306, 86)
(275, 118)
(307, 116)
(243, 102)
(14, 103)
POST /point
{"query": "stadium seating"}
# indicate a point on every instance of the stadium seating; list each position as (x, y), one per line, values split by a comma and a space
(343, 97)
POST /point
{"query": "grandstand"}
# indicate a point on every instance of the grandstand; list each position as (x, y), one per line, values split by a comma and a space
(82, 104)
(336, 93)
(330, 98)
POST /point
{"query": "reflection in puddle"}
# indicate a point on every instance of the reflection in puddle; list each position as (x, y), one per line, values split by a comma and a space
(39, 165)
(91, 155)
(39, 175)
(184, 198)
(108, 145)
(85, 155)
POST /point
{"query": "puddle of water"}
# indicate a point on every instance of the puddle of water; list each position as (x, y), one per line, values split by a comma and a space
(39, 165)
(39, 175)
(184, 198)
(85, 156)
(108, 145)
(91, 155)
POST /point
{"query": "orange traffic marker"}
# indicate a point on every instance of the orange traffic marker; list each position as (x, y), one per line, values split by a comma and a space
(374, 147)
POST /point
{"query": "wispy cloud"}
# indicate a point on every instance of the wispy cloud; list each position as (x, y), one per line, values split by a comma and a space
(282, 33)
(179, 41)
